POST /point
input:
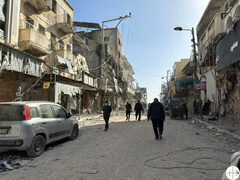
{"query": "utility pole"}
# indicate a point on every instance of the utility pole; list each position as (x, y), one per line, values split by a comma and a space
(103, 44)
(195, 72)
(197, 80)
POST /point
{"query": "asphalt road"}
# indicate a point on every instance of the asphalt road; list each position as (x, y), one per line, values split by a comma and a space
(128, 151)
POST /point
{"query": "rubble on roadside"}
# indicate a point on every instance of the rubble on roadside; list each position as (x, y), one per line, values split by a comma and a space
(10, 162)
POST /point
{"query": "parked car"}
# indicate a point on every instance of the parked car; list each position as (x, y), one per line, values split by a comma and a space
(176, 109)
(234, 161)
(29, 126)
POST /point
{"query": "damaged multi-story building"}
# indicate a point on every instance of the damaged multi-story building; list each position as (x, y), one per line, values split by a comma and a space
(37, 59)
(218, 34)
(108, 66)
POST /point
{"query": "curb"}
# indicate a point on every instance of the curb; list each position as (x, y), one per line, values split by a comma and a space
(211, 127)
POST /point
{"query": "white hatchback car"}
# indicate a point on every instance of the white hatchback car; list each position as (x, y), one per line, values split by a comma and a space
(29, 126)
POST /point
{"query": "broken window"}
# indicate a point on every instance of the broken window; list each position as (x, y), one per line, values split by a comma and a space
(106, 39)
(29, 23)
(41, 29)
(68, 19)
(53, 41)
(61, 45)
(68, 48)
(54, 6)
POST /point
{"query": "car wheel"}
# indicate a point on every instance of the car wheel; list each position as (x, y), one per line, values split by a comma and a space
(37, 146)
(75, 133)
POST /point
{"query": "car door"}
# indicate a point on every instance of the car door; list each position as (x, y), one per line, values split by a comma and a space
(49, 122)
(62, 118)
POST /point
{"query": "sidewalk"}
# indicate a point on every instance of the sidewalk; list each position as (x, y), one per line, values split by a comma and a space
(222, 125)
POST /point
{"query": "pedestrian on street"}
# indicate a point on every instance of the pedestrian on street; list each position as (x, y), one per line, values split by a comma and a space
(128, 111)
(157, 115)
(138, 110)
(195, 107)
(107, 109)
(185, 110)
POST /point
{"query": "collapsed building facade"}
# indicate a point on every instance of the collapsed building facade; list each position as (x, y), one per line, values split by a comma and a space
(218, 34)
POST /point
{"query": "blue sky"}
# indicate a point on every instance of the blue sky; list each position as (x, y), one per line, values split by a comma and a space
(149, 41)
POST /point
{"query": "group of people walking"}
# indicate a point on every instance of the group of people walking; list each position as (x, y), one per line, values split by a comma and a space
(155, 113)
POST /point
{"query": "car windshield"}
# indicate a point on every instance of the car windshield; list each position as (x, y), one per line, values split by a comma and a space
(10, 112)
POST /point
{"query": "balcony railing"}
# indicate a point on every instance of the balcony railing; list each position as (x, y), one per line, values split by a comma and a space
(40, 5)
(64, 23)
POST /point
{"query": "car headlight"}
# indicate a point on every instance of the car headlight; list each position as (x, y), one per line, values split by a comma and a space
(234, 157)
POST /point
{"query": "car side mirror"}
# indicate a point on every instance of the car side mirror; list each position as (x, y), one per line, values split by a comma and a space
(69, 115)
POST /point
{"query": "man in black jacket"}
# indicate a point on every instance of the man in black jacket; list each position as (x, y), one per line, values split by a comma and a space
(106, 114)
(157, 115)
(138, 110)
(128, 111)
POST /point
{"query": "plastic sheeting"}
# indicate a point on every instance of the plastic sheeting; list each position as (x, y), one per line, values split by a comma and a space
(67, 63)
(65, 89)
(228, 49)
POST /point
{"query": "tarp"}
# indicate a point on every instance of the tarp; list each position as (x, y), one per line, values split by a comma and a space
(228, 49)
(66, 89)
(67, 63)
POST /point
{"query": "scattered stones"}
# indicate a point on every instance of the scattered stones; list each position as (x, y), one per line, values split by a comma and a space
(7, 165)
(89, 171)
(197, 133)
(219, 134)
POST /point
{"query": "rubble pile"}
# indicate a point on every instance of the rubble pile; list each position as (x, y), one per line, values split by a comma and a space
(9, 162)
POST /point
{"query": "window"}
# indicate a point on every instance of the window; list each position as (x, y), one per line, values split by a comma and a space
(61, 45)
(54, 6)
(119, 42)
(53, 41)
(46, 111)
(68, 19)
(68, 48)
(41, 29)
(86, 41)
(59, 112)
(119, 54)
(33, 112)
(106, 39)
(29, 23)
(106, 48)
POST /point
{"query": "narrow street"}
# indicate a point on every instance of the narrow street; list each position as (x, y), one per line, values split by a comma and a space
(129, 151)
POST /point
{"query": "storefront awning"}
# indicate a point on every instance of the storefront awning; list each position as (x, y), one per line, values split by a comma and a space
(228, 49)
(67, 63)
(65, 89)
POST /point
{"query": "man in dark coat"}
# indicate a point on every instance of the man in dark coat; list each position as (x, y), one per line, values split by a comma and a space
(128, 111)
(157, 115)
(138, 110)
(106, 114)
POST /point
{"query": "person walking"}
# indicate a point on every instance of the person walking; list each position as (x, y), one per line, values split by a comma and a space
(138, 110)
(107, 109)
(157, 115)
(128, 111)
(185, 110)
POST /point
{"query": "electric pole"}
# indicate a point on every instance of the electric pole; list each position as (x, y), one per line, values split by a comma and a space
(103, 44)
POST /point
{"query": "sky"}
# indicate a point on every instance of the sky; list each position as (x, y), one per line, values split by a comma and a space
(149, 41)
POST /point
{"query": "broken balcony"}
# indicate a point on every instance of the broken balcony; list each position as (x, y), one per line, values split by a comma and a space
(33, 42)
(40, 5)
(64, 23)
(64, 54)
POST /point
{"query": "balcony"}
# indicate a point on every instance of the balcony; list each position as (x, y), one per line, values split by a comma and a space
(40, 5)
(33, 42)
(213, 32)
(64, 23)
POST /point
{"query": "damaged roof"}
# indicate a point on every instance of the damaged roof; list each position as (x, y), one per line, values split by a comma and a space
(87, 25)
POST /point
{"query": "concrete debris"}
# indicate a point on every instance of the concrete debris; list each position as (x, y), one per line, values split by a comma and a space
(211, 127)
(10, 161)
(219, 134)
(7, 165)
(89, 171)
(197, 133)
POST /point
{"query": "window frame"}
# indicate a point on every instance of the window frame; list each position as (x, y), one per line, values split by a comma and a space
(44, 105)
(55, 115)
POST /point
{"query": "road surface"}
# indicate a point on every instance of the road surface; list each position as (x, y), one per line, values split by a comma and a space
(129, 151)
